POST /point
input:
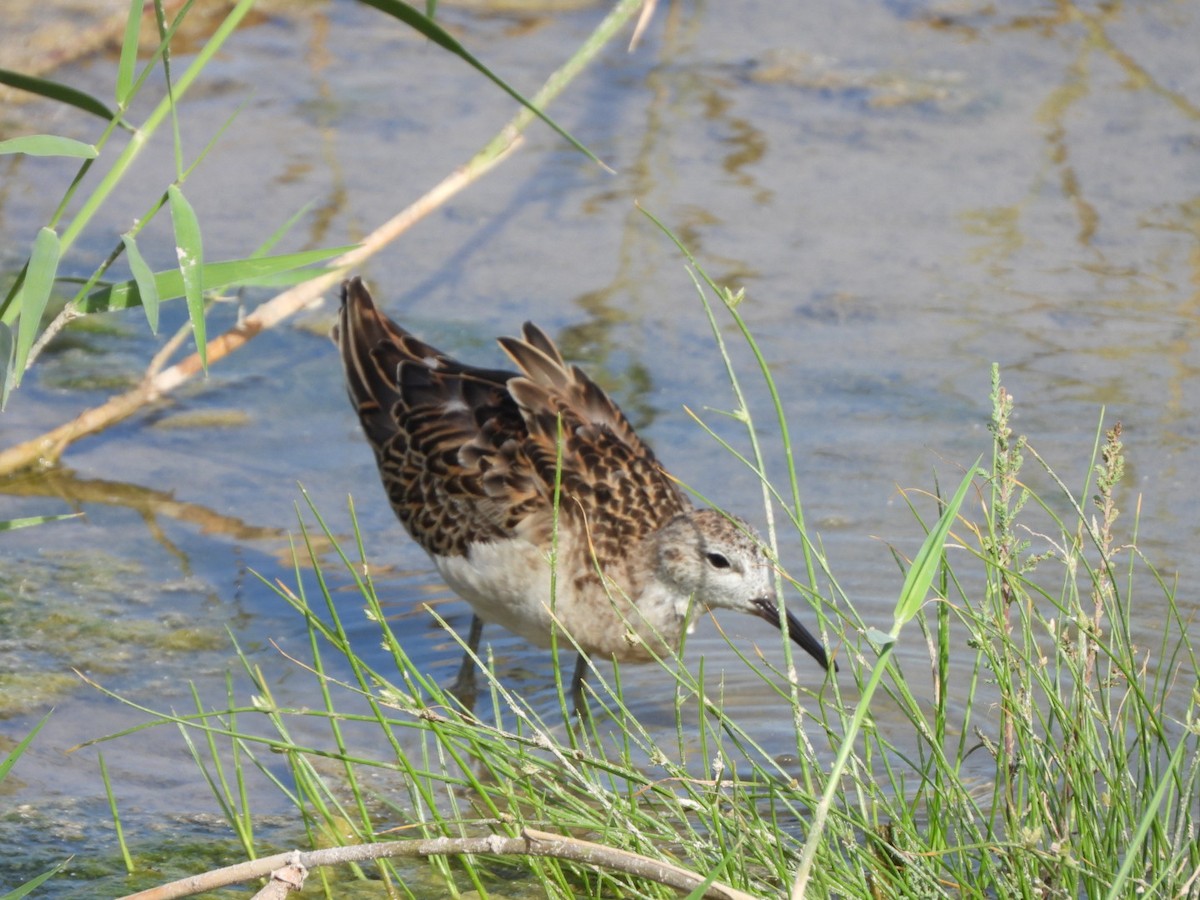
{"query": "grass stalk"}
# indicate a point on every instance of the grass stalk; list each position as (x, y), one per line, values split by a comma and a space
(115, 811)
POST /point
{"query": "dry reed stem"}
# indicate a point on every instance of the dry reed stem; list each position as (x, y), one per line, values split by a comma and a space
(530, 843)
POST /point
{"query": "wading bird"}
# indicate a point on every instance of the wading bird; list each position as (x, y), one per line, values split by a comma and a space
(474, 461)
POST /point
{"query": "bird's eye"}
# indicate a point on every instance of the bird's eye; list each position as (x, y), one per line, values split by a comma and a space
(717, 560)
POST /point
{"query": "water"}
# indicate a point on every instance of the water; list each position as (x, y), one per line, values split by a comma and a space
(907, 191)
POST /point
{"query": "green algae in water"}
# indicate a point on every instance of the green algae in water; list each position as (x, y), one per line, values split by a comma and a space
(88, 609)
(21, 692)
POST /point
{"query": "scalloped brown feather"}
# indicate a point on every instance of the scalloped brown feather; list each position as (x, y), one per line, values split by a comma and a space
(471, 454)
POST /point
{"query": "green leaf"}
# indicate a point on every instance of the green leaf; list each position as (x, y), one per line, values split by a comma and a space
(28, 887)
(286, 279)
(144, 278)
(129, 49)
(5, 767)
(880, 640)
(190, 250)
(35, 292)
(278, 234)
(6, 345)
(29, 522)
(56, 91)
(49, 145)
(928, 558)
(727, 864)
(217, 276)
(19, 750)
(397, 9)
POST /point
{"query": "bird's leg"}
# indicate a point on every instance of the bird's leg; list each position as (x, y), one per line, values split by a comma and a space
(464, 683)
(577, 679)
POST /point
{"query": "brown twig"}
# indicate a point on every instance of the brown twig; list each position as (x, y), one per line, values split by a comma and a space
(530, 843)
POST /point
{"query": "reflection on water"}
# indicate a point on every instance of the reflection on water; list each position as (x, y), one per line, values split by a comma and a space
(80, 493)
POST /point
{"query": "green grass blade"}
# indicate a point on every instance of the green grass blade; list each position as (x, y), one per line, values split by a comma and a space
(29, 522)
(55, 91)
(925, 565)
(160, 20)
(1148, 819)
(434, 32)
(124, 162)
(6, 345)
(129, 49)
(19, 750)
(49, 145)
(216, 276)
(722, 868)
(33, 296)
(916, 584)
(28, 887)
(5, 767)
(144, 278)
(279, 233)
(190, 250)
(116, 815)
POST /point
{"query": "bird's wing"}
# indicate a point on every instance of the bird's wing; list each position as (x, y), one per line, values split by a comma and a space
(469, 454)
(608, 477)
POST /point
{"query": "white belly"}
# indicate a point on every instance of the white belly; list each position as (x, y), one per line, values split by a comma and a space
(509, 583)
(506, 582)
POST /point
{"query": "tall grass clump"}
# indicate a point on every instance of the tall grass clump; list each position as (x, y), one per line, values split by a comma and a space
(1047, 746)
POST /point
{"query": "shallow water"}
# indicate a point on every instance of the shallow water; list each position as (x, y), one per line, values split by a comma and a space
(907, 191)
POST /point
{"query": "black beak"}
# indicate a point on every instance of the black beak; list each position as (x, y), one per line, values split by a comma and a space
(796, 631)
